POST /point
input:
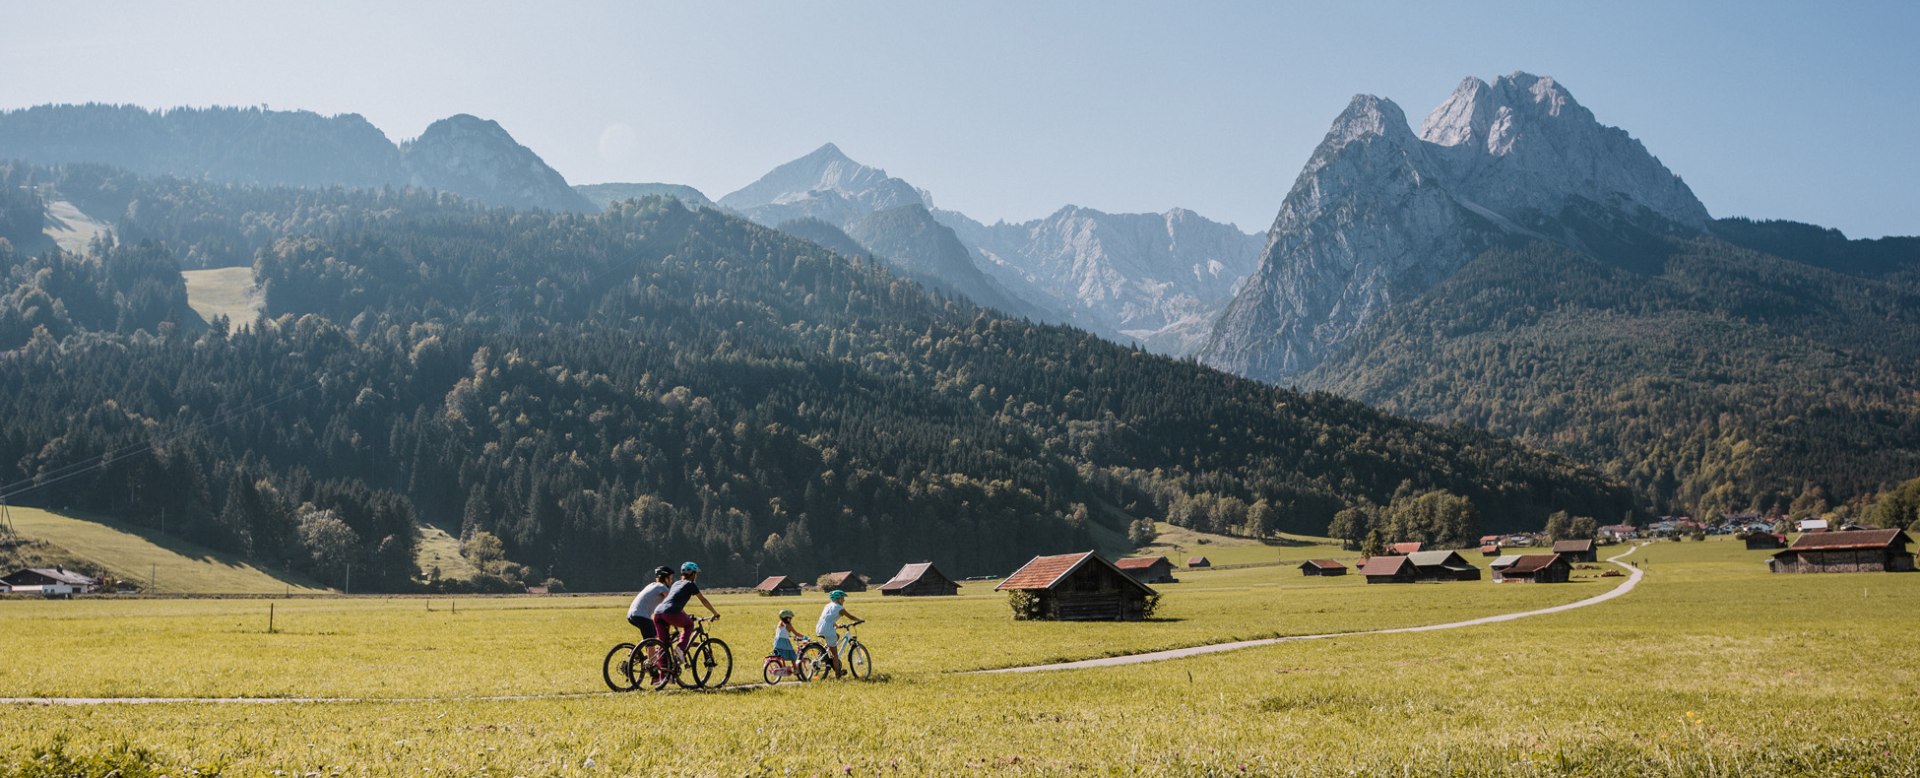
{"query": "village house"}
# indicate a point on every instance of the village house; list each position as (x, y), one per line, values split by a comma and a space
(1532, 568)
(50, 580)
(920, 579)
(1078, 587)
(778, 586)
(1387, 569)
(1322, 567)
(844, 580)
(1576, 550)
(1857, 551)
(1155, 569)
(1619, 533)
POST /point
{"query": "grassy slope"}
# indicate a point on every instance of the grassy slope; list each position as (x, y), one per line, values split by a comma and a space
(135, 553)
(70, 229)
(438, 549)
(226, 291)
(1712, 667)
(1179, 544)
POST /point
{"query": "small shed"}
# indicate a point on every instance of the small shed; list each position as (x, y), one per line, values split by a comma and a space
(1148, 569)
(1442, 566)
(1198, 561)
(1854, 551)
(1387, 569)
(1764, 541)
(1490, 549)
(778, 586)
(1403, 549)
(1534, 568)
(1078, 587)
(1322, 567)
(59, 577)
(920, 579)
(1576, 550)
(845, 581)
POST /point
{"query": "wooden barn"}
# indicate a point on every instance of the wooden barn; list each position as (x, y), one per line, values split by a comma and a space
(1576, 550)
(1442, 566)
(1403, 549)
(1078, 587)
(1533, 568)
(778, 586)
(920, 579)
(1764, 541)
(1148, 569)
(845, 581)
(1854, 551)
(1388, 569)
(1322, 567)
(1194, 562)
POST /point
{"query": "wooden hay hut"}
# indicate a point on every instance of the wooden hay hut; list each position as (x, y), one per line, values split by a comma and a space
(1442, 566)
(1764, 541)
(1078, 587)
(844, 580)
(1535, 568)
(920, 579)
(1388, 569)
(1148, 569)
(1576, 550)
(1322, 567)
(1198, 562)
(778, 586)
(1855, 551)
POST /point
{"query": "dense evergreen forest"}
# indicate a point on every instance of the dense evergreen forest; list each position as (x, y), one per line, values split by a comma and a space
(604, 393)
(1710, 377)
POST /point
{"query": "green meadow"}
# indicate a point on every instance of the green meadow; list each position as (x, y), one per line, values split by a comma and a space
(1710, 667)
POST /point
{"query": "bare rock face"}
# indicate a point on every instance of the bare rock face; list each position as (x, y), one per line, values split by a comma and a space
(825, 185)
(1380, 215)
(477, 159)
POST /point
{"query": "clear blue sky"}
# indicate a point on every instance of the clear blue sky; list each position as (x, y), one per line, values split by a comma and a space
(1009, 110)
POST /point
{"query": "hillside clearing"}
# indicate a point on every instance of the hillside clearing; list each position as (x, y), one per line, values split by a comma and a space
(225, 291)
(70, 229)
(141, 555)
(438, 555)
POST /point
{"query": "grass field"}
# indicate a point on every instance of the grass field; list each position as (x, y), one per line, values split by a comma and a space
(1711, 667)
(226, 291)
(438, 550)
(1179, 544)
(141, 555)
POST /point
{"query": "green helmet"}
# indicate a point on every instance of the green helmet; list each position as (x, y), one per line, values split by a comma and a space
(786, 613)
(836, 595)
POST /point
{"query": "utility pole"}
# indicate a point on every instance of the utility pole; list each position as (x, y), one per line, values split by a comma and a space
(349, 579)
(152, 574)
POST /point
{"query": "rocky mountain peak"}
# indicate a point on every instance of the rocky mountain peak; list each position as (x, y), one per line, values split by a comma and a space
(824, 184)
(1367, 117)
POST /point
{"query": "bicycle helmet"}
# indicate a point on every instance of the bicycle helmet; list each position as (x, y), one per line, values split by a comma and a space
(689, 567)
(663, 571)
(836, 595)
(786, 613)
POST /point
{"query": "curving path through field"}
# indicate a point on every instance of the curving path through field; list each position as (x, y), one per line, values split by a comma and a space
(1633, 580)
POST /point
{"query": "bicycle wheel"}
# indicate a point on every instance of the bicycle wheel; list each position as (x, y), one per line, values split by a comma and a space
(711, 664)
(772, 672)
(617, 671)
(813, 661)
(859, 662)
(655, 668)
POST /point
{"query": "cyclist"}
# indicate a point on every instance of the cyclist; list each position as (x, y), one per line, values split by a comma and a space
(671, 613)
(830, 617)
(640, 613)
(783, 636)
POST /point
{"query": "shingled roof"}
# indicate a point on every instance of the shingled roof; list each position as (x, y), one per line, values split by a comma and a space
(1045, 571)
(1326, 564)
(1572, 546)
(1531, 563)
(1849, 539)
(908, 575)
(1383, 565)
(1140, 562)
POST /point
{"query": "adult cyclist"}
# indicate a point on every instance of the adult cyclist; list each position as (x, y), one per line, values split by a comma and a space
(640, 612)
(671, 613)
(829, 618)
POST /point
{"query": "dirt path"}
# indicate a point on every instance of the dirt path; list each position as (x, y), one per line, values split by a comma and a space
(1633, 580)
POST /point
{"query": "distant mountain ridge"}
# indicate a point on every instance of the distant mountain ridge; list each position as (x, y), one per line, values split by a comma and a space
(603, 195)
(465, 155)
(1380, 215)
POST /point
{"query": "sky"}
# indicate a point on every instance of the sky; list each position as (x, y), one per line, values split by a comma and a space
(1011, 110)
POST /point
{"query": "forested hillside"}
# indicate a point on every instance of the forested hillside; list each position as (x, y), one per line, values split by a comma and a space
(1710, 377)
(608, 392)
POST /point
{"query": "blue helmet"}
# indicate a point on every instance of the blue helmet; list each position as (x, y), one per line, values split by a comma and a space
(836, 595)
(689, 567)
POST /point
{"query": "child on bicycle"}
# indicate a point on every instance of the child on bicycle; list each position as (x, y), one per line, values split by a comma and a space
(783, 637)
(826, 628)
(671, 613)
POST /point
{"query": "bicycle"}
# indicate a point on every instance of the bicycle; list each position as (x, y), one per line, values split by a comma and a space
(858, 660)
(656, 663)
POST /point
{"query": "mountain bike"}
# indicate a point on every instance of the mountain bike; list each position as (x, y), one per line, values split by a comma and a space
(854, 654)
(708, 662)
